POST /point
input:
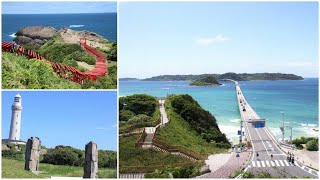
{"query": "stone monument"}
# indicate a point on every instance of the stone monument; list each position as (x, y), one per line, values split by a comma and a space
(91, 161)
(32, 155)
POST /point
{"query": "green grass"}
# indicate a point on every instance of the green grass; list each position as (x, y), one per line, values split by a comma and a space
(129, 155)
(15, 169)
(178, 132)
(20, 73)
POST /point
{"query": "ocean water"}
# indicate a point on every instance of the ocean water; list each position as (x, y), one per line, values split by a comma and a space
(298, 99)
(104, 24)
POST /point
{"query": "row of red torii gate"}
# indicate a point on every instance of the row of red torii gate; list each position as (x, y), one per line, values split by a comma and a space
(65, 71)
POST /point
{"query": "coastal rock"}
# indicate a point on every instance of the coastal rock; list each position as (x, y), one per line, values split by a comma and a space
(69, 34)
(35, 35)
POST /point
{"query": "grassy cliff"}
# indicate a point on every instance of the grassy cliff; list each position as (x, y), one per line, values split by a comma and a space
(191, 127)
(20, 73)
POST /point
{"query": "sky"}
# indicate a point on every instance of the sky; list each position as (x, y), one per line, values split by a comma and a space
(217, 37)
(70, 118)
(57, 7)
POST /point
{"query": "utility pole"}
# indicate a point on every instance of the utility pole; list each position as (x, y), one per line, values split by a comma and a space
(282, 128)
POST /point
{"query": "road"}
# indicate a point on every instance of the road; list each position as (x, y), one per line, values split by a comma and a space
(264, 143)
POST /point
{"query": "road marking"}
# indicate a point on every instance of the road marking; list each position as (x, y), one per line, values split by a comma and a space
(286, 162)
(296, 163)
(258, 163)
(302, 167)
(310, 170)
(281, 162)
(267, 162)
(272, 163)
(262, 142)
(270, 145)
(249, 166)
(276, 162)
(253, 164)
(262, 163)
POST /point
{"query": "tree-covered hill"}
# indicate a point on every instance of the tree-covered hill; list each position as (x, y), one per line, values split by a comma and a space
(207, 81)
(230, 75)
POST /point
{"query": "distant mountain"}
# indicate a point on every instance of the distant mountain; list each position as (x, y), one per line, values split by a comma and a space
(129, 79)
(229, 75)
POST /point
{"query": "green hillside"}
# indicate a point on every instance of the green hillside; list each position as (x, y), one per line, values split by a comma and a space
(191, 127)
(20, 73)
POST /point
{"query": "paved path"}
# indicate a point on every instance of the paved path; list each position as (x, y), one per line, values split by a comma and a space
(164, 117)
(227, 169)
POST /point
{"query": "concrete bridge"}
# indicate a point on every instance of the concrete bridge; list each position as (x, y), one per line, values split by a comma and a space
(264, 144)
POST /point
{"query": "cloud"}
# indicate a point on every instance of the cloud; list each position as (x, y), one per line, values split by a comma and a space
(107, 128)
(206, 41)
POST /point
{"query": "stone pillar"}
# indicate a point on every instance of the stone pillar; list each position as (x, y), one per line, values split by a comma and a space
(32, 155)
(91, 161)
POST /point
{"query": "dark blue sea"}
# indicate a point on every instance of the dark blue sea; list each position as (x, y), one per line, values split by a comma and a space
(104, 24)
(298, 99)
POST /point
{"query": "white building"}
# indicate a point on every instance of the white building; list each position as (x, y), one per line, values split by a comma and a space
(14, 135)
(16, 118)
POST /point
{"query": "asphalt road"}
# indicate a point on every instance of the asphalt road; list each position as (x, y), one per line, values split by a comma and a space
(264, 144)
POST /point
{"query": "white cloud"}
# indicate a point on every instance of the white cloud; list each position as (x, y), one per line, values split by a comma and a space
(206, 41)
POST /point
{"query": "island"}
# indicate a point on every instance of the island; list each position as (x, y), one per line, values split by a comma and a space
(207, 81)
(229, 75)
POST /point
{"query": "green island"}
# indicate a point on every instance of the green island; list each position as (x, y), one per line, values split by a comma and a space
(60, 161)
(230, 75)
(61, 46)
(191, 130)
(207, 81)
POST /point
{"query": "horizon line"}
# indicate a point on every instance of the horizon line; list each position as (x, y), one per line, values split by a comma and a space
(61, 13)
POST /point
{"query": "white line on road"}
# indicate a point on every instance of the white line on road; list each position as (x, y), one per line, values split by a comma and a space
(286, 162)
(262, 142)
(262, 163)
(258, 163)
(310, 170)
(267, 162)
(253, 164)
(276, 162)
(281, 162)
(272, 163)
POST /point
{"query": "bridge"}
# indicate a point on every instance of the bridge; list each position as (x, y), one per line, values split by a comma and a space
(264, 144)
(63, 70)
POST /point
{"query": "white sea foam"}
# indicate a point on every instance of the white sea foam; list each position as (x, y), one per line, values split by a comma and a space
(309, 125)
(165, 88)
(235, 120)
(76, 26)
(222, 84)
(13, 35)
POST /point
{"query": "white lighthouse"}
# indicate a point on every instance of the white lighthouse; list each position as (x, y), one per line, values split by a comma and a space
(16, 119)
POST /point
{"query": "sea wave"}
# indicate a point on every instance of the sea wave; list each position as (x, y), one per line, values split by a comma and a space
(235, 120)
(76, 26)
(13, 35)
(309, 125)
(165, 88)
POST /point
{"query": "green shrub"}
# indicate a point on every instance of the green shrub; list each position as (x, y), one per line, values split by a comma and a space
(112, 54)
(107, 159)
(64, 155)
(139, 104)
(125, 115)
(312, 145)
(12, 154)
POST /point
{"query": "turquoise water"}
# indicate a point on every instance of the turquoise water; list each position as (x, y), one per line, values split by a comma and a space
(298, 99)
